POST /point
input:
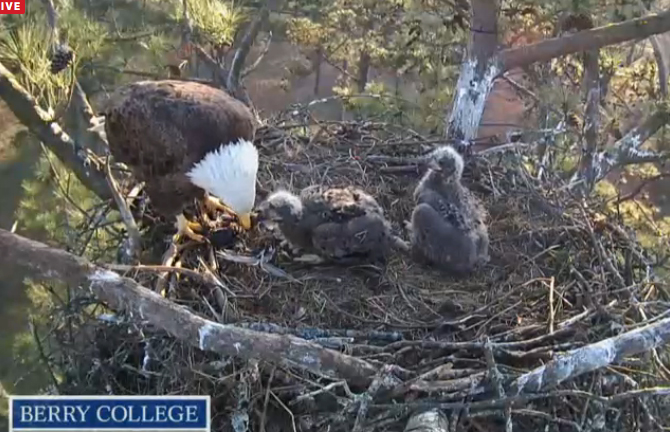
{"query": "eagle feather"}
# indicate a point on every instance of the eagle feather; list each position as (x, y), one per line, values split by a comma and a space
(184, 139)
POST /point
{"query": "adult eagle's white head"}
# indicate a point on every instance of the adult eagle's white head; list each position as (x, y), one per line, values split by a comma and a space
(184, 139)
(229, 173)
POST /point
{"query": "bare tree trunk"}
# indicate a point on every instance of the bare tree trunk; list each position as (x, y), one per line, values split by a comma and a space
(363, 70)
(586, 172)
(364, 62)
(45, 263)
(317, 68)
(479, 69)
(661, 64)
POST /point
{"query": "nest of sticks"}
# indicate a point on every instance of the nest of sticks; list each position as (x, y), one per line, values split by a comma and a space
(563, 275)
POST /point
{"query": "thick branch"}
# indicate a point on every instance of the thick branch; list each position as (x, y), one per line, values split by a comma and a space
(599, 37)
(593, 357)
(592, 117)
(233, 81)
(50, 133)
(80, 119)
(260, 57)
(186, 25)
(219, 71)
(46, 263)
(661, 61)
(627, 150)
(592, 81)
(661, 65)
(427, 421)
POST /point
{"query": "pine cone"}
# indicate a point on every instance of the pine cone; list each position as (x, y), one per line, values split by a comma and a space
(61, 58)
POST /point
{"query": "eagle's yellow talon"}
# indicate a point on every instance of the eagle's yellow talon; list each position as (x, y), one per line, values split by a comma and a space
(214, 204)
(195, 226)
(185, 228)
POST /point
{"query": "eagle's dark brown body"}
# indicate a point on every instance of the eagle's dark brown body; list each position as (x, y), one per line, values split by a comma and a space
(160, 129)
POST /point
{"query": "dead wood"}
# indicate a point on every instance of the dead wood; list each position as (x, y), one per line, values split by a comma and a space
(594, 356)
(428, 421)
(123, 294)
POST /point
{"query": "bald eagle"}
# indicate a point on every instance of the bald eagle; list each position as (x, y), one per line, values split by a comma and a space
(186, 140)
(448, 227)
(338, 224)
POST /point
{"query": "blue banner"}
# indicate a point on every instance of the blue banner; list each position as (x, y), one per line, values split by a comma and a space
(88, 413)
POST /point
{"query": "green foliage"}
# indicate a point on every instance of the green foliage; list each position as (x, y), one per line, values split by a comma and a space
(99, 35)
(404, 36)
(153, 51)
(57, 207)
(377, 103)
(24, 49)
(652, 229)
(303, 31)
(215, 21)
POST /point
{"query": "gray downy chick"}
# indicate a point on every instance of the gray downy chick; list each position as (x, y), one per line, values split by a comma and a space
(448, 227)
(340, 224)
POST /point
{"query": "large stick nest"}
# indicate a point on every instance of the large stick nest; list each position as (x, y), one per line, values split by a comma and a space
(562, 275)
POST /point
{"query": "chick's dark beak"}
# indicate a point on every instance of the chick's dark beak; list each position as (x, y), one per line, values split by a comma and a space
(258, 216)
(432, 164)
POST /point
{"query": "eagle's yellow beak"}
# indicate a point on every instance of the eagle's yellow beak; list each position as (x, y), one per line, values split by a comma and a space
(245, 220)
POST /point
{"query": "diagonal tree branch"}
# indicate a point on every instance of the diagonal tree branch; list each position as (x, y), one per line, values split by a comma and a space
(46, 263)
(627, 150)
(26, 109)
(80, 120)
(81, 114)
(252, 67)
(593, 357)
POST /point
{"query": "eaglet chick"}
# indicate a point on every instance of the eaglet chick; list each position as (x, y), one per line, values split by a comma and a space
(448, 227)
(339, 224)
